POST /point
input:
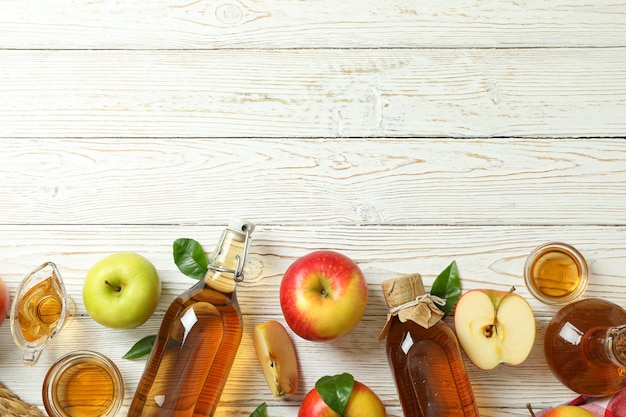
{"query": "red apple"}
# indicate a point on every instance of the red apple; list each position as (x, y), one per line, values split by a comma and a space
(564, 411)
(4, 301)
(323, 295)
(362, 403)
(568, 411)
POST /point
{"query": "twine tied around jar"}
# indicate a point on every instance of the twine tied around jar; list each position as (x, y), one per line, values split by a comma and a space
(407, 299)
(421, 298)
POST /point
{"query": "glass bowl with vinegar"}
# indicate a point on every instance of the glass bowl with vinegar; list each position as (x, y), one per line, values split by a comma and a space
(556, 273)
(83, 384)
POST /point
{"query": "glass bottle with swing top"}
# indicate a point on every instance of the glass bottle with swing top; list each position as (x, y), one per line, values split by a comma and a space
(198, 339)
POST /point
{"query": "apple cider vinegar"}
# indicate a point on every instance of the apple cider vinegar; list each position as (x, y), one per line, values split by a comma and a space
(39, 310)
(556, 273)
(86, 390)
(426, 362)
(198, 339)
(585, 347)
(83, 384)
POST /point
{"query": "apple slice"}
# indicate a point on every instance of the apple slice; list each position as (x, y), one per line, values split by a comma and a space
(494, 327)
(277, 356)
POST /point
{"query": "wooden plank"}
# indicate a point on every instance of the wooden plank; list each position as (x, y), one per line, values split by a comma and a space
(505, 387)
(469, 131)
(311, 182)
(488, 256)
(314, 93)
(247, 386)
(72, 24)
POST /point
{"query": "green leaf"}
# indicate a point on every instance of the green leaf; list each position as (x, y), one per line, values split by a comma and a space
(190, 258)
(260, 411)
(141, 348)
(336, 391)
(447, 286)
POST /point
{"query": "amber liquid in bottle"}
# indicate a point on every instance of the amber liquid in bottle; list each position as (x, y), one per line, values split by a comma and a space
(196, 344)
(575, 347)
(427, 365)
(429, 371)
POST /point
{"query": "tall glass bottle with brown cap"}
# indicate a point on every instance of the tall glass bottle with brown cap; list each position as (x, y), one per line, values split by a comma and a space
(198, 339)
(424, 354)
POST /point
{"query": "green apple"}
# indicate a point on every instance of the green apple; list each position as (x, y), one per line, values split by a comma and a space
(122, 290)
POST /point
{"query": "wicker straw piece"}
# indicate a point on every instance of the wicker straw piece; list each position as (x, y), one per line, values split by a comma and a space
(11, 405)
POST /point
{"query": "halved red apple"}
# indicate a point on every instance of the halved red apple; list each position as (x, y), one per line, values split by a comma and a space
(494, 327)
(277, 357)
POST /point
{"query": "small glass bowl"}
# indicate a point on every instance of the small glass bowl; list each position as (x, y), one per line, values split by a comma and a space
(556, 273)
(83, 384)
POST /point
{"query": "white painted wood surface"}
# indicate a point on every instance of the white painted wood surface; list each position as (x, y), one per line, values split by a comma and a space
(404, 134)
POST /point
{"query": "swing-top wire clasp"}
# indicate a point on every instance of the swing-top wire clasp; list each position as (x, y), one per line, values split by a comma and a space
(245, 228)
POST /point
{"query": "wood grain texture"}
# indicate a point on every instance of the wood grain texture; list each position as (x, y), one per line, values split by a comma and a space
(405, 134)
(530, 92)
(488, 256)
(200, 24)
(313, 182)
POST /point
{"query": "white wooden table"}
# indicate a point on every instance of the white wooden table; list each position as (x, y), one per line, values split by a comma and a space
(404, 134)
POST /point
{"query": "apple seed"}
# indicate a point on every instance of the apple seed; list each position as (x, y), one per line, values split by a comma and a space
(489, 331)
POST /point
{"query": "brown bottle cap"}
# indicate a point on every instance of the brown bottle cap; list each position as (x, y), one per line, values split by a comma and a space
(407, 298)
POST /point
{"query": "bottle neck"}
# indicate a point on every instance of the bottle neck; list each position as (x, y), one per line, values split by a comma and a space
(616, 345)
(606, 345)
(226, 262)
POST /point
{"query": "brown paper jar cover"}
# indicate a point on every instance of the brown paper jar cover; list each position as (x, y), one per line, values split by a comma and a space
(407, 298)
